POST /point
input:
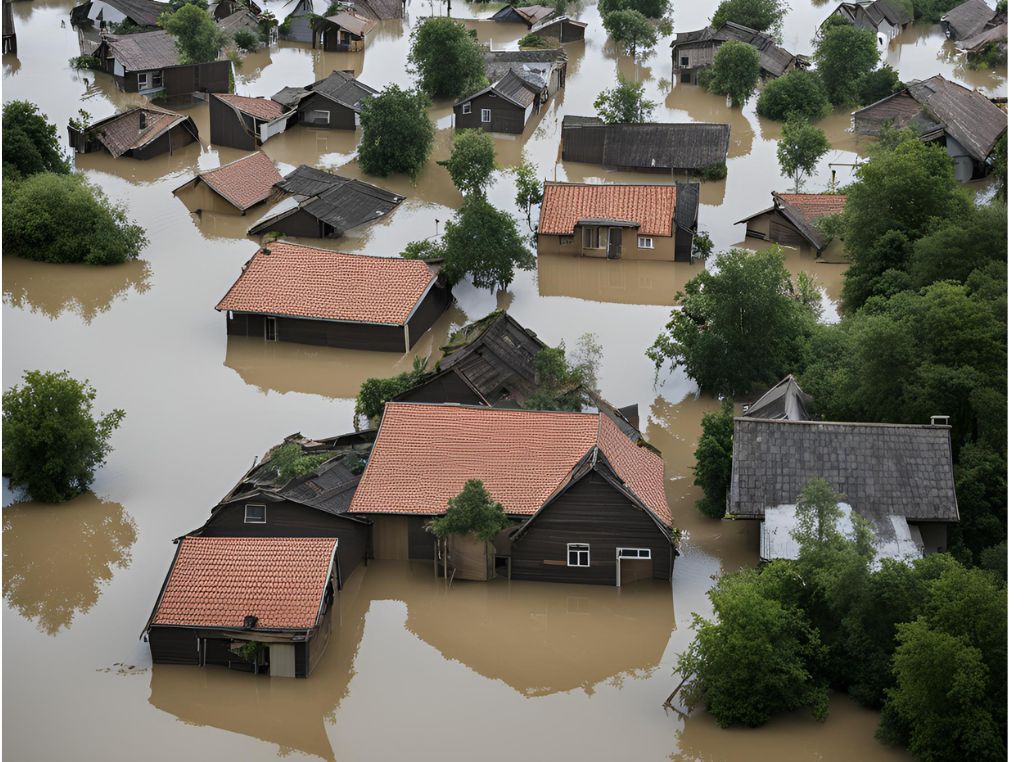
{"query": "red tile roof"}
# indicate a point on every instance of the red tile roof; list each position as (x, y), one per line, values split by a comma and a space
(301, 281)
(218, 581)
(425, 453)
(244, 182)
(120, 133)
(814, 205)
(564, 204)
(262, 108)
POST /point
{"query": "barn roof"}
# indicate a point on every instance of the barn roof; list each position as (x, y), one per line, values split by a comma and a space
(120, 133)
(968, 19)
(146, 50)
(343, 88)
(530, 14)
(352, 23)
(882, 469)
(803, 210)
(264, 109)
(243, 182)
(565, 205)
(425, 453)
(301, 281)
(669, 145)
(220, 581)
(785, 400)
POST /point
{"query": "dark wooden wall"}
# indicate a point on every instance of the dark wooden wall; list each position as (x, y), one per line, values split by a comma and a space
(375, 338)
(420, 542)
(210, 77)
(341, 117)
(584, 144)
(683, 245)
(436, 301)
(507, 117)
(592, 512)
(447, 387)
(175, 138)
(227, 128)
(299, 223)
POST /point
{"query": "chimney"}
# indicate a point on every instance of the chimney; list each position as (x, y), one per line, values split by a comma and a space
(142, 119)
(940, 420)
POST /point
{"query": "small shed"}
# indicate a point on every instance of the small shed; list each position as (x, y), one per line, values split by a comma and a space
(139, 133)
(344, 32)
(562, 29)
(237, 186)
(504, 106)
(651, 147)
(791, 218)
(319, 204)
(253, 604)
(786, 400)
(334, 102)
(289, 292)
(529, 15)
(246, 123)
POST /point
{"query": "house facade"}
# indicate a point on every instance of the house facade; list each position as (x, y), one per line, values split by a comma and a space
(881, 17)
(139, 133)
(233, 188)
(245, 123)
(561, 29)
(344, 32)
(792, 217)
(691, 52)
(147, 63)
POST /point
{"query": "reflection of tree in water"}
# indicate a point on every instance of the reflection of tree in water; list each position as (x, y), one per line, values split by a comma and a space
(57, 557)
(87, 290)
(11, 65)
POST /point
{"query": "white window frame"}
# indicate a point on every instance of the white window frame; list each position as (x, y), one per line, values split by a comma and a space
(154, 77)
(143, 80)
(466, 108)
(487, 116)
(636, 554)
(578, 548)
(645, 242)
(315, 119)
(246, 513)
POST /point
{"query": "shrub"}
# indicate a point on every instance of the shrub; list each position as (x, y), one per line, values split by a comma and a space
(246, 39)
(798, 93)
(878, 84)
(446, 58)
(714, 172)
(471, 162)
(714, 460)
(800, 149)
(533, 40)
(30, 142)
(471, 512)
(761, 15)
(289, 461)
(375, 392)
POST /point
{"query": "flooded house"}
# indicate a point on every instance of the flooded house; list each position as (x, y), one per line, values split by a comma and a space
(236, 187)
(983, 41)
(529, 15)
(523, 82)
(343, 32)
(246, 123)
(562, 29)
(289, 292)
(964, 121)
(298, 19)
(147, 63)
(318, 204)
(654, 147)
(10, 35)
(139, 133)
(791, 220)
(691, 52)
(970, 19)
(333, 102)
(631, 221)
(256, 604)
(546, 68)
(109, 13)
(277, 497)
(882, 17)
(897, 476)
(587, 500)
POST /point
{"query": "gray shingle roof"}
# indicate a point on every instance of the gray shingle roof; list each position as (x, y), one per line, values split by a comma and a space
(688, 145)
(342, 88)
(534, 67)
(774, 59)
(882, 469)
(144, 51)
(968, 18)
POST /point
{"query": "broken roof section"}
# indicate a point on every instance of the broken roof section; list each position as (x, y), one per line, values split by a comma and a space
(783, 401)
(264, 109)
(244, 182)
(969, 19)
(136, 128)
(528, 14)
(534, 67)
(774, 59)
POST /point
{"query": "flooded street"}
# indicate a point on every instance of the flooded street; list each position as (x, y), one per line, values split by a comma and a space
(513, 670)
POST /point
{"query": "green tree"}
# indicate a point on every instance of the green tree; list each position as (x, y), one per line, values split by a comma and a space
(653, 9)
(174, 5)
(246, 39)
(529, 189)
(62, 218)
(471, 162)
(735, 72)
(981, 482)
(844, 56)
(757, 658)
(999, 165)
(878, 84)
(932, 10)
(446, 58)
(471, 512)
(52, 444)
(737, 327)
(485, 244)
(197, 37)
(375, 392)
(397, 132)
(800, 93)
(289, 461)
(564, 382)
(761, 15)
(714, 460)
(817, 513)
(955, 246)
(625, 103)
(800, 149)
(632, 30)
(30, 142)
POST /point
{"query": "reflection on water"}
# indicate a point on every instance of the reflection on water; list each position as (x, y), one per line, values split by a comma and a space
(58, 557)
(85, 290)
(622, 281)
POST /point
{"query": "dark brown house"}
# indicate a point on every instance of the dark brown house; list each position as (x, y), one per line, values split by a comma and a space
(792, 217)
(322, 205)
(667, 147)
(561, 29)
(255, 604)
(139, 133)
(588, 501)
(108, 13)
(245, 123)
(523, 82)
(344, 32)
(289, 292)
(880, 17)
(693, 51)
(237, 186)
(528, 15)
(333, 102)
(147, 63)
(314, 504)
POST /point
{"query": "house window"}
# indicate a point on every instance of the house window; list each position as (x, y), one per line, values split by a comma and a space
(566, 240)
(642, 553)
(466, 108)
(683, 61)
(143, 80)
(578, 554)
(645, 242)
(487, 115)
(594, 238)
(319, 116)
(255, 514)
(158, 79)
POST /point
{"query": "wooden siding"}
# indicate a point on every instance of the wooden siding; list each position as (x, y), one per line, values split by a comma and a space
(227, 128)
(390, 540)
(583, 144)
(289, 519)
(595, 513)
(774, 226)
(563, 32)
(683, 245)
(173, 645)
(302, 224)
(663, 246)
(446, 387)
(375, 338)
(436, 301)
(340, 117)
(420, 542)
(507, 117)
(210, 77)
(200, 197)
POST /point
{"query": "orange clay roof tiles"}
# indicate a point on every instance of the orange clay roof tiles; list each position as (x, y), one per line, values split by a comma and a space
(219, 581)
(244, 182)
(814, 205)
(564, 204)
(425, 453)
(301, 281)
(262, 108)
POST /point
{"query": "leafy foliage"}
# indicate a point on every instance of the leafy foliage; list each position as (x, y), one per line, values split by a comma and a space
(800, 93)
(653, 9)
(246, 39)
(878, 84)
(52, 444)
(471, 512)
(714, 460)
(30, 142)
(290, 462)
(375, 392)
(397, 132)
(533, 41)
(563, 381)
(485, 244)
(197, 38)
(471, 162)
(446, 58)
(761, 15)
(933, 10)
(632, 30)
(845, 55)
(625, 103)
(529, 189)
(800, 148)
(62, 218)
(737, 327)
(735, 72)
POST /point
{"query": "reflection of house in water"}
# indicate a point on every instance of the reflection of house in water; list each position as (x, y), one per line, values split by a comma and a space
(58, 557)
(623, 281)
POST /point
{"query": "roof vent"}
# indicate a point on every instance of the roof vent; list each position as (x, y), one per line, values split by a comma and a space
(940, 420)
(249, 622)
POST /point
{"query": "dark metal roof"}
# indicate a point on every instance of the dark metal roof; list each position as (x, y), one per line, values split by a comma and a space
(881, 469)
(783, 401)
(580, 121)
(534, 67)
(141, 12)
(515, 89)
(342, 88)
(690, 145)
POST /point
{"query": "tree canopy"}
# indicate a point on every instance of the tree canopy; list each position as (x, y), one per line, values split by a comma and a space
(446, 58)
(529, 189)
(625, 103)
(30, 142)
(714, 460)
(397, 132)
(800, 93)
(197, 38)
(653, 9)
(735, 72)
(631, 29)
(375, 392)
(484, 243)
(52, 443)
(471, 512)
(844, 56)
(471, 162)
(761, 15)
(563, 380)
(800, 149)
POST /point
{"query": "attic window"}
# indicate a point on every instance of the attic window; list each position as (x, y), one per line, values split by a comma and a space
(487, 115)
(255, 514)
(466, 108)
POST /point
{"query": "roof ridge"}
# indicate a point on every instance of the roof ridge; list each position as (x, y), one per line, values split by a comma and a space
(235, 161)
(275, 244)
(484, 409)
(944, 427)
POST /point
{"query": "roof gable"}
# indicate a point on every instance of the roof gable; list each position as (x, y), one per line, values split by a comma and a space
(264, 109)
(343, 88)
(121, 133)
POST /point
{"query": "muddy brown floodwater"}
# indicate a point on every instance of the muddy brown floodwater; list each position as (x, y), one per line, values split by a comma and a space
(499, 670)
